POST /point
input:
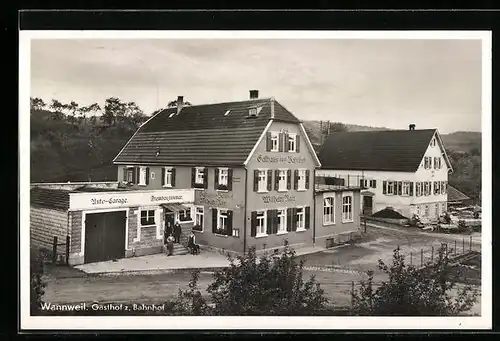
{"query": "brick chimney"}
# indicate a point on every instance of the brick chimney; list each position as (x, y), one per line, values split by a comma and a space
(254, 94)
(411, 127)
(180, 103)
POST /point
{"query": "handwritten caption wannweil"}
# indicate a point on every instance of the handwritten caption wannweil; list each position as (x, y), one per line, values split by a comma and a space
(281, 159)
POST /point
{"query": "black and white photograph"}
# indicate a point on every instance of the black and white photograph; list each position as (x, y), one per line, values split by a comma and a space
(313, 177)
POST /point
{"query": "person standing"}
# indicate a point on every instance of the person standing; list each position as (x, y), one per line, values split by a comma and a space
(192, 244)
(177, 232)
(170, 245)
(168, 230)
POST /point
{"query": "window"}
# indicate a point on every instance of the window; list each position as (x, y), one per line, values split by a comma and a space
(443, 207)
(261, 223)
(418, 189)
(200, 175)
(439, 162)
(328, 209)
(262, 182)
(390, 187)
(222, 222)
(185, 215)
(143, 176)
(236, 233)
(347, 208)
(129, 175)
(282, 180)
(301, 181)
(300, 219)
(436, 210)
(406, 188)
(426, 212)
(292, 142)
(198, 220)
(147, 217)
(168, 177)
(223, 176)
(275, 142)
(373, 183)
(433, 142)
(281, 217)
(426, 188)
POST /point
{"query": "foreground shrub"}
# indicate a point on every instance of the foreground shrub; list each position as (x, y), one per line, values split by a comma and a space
(37, 284)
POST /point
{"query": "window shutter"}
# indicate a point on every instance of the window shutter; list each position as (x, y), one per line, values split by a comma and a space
(444, 188)
(205, 177)
(136, 175)
(124, 174)
(255, 180)
(411, 188)
(193, 176)
(280, 142)
(163, 176)
(374, 183)
(269, 224)
(229, 223)
(230, 179)
(289, 179)
(268, 141)
(216, 179)
(296, 179)
(294, 219)
(384, 187)
(214, 220)
(307, 178)
(297, 143)
(147, 175)
(285, 142)
(276, 179)
(307, 217)
(269, 180)
(289, 219)
(275, 222)
(253, 225)
(400, 189)
(173, 177)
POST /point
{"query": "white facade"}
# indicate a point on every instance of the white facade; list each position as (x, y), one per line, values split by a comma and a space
(430, 206)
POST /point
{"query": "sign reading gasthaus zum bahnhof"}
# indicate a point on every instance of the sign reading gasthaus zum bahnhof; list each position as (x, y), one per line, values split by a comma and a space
(90, 201)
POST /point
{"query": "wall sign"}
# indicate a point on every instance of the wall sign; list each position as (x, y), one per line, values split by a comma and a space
(272, 199)
(117, 199)
(218, 199)
(281, 159)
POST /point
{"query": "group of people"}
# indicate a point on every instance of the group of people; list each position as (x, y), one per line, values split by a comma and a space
(172, 235)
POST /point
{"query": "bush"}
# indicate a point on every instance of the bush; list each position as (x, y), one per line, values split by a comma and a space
(413, 292)
(37, 284)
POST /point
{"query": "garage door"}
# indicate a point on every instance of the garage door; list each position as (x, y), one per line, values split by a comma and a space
(104, 236)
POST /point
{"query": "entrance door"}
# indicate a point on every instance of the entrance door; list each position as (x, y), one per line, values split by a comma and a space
(104, 236)
(367, 205)
(169, 222)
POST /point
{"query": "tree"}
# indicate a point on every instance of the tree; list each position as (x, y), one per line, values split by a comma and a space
(113, 108)
(413, 292)
(56, 105)
(173, 104)
(37, 103)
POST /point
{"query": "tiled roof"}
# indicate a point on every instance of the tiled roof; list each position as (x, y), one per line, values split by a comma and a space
(49, 198)
(455, 195)
(218, 134)
(392, 150)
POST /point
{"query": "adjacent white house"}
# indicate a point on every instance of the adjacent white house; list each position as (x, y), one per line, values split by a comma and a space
(403, 169)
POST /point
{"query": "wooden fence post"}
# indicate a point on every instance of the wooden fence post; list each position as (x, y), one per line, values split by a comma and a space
(68, 239)
(54, 250)
(432, 254)
(352, 293)
(411, 258)
(470, 243)
(463, 245)
(364, 221)
(421, 257)
(455, 249)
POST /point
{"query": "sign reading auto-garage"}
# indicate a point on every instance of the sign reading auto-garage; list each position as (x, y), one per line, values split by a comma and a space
(105, 200)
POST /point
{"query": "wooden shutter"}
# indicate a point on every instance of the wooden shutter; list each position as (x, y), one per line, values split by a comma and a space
(216, 180)
(285, 142)
(280, 142)
(214, 220)
(275, 222)
(374, 183)
(268, 141)
(307, 217)
(136, 175)
(205, 177)
(269, 180)
(173, 176)
(230, 179)
(411, 188)
(307, 178)
(269, 224)
(297, 143)
(296, 179)
(400, 187)
(294, 219)
(147, 175)
(229, 223)
(255, 180)
(289, 179)
(384, 187)
(253, 224)
(276, 179)
(193, 176)
(124, 174)
(163, 176)
(289, 219)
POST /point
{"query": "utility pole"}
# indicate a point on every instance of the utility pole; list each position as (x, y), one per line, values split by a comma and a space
(321, 132)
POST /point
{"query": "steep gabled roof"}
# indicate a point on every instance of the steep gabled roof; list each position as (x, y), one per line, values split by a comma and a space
(391, 150)
(209, 134)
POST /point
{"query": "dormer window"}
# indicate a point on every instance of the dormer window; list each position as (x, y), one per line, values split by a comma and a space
(433, 142)
(252, 112)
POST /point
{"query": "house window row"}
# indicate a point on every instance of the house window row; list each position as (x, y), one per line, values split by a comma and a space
(431, 162)
(329, 209)
(426, 188)
(425, 210)
(403, 188)
(282, 142)
(263, 180)
(279, 221)
(367, 183)
(136, 175)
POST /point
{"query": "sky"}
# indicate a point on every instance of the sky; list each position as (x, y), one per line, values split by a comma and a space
(382, 83)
